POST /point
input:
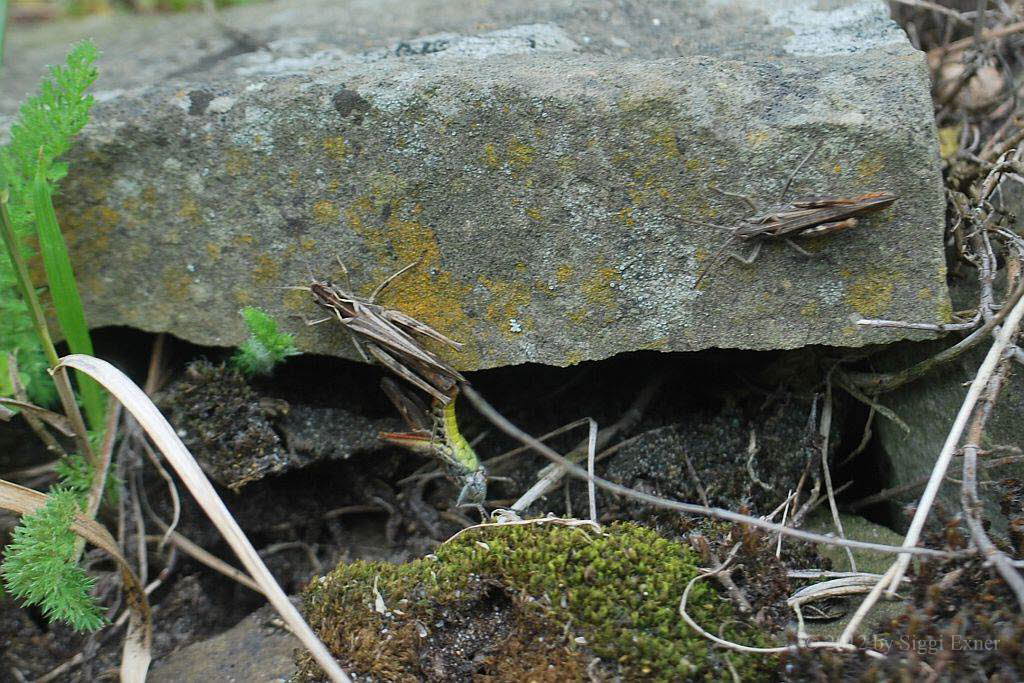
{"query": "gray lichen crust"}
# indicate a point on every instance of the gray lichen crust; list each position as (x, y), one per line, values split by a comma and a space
(539, 169)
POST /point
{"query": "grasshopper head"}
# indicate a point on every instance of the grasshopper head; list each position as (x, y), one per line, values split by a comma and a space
(474, 489)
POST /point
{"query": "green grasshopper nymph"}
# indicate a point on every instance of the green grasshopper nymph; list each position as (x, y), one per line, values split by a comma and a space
(435, 433)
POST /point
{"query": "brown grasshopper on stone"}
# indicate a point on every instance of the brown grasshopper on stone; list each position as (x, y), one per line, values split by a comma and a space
(390, 336)
(812, 217)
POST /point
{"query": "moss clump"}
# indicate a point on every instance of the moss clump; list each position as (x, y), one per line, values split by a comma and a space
(528, 602)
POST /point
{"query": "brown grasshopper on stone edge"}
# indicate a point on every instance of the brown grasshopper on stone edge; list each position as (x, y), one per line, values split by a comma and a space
(389, 336)
(812, 217)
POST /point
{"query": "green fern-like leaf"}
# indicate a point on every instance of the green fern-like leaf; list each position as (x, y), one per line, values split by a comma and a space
(38, 564)
(265, 347)
(43, 132)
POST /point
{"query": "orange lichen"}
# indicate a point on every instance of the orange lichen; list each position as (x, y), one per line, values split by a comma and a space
(237, 162)
(871, 294)
(336, 148)
(326, 212)
(266, 269)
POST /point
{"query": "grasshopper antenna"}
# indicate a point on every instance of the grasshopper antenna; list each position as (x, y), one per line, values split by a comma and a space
(381, 286)
(716, 260)
(796, 170)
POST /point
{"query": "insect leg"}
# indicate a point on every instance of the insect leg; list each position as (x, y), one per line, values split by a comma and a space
(803, 251)
(749, 258)
(747, 200)
(394, 366)
(415, 325)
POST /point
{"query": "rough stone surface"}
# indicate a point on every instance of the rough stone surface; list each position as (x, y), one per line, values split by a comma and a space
(858, 528)
(928, 407)
(256, 649)
(538, 161)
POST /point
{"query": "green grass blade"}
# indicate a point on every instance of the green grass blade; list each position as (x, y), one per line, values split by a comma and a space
(3, 28)
(66, 301)
(23, 281)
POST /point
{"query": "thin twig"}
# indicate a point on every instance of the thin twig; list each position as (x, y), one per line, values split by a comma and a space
(826, 428)
(880, 383)
(969, 490)
(991, 34)
(502, 423)
(988, 366)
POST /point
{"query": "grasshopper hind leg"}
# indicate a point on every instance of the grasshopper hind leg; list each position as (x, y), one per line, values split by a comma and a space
(749, 259)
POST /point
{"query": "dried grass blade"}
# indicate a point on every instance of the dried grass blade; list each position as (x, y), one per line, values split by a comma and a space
(139, 638)
(55, 420)
(165, 438)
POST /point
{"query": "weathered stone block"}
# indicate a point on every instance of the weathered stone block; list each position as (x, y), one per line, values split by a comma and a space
(539, 168)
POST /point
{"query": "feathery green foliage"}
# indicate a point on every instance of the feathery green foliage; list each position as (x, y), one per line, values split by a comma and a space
(39, 564)
(40, 561)
(77, 474)
(265, 347)
(46, 125)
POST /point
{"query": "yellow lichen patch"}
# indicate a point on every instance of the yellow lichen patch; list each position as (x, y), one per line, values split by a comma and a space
(949, 141)
(326, 212)
(578, 315)
(213, 250)
(508, 300)
(666, 139)
(659, 344)
(491, 156)
(307, 244)
(426, 292)
(574, 357)
(925, 294)
(189, 210)
(520, 155)
(945, 310)
(266, 269)
(871, 294)
(625, 214)
(336, 148)
(237, 162)
(693, 165)
(809, 309)
(535, 214)
(756, 138)
(86, 231)
(598, 288)
(563, 273)
(243, 297)
(870, 166)
(243, 240)
(334, 185)
(176, 284)
(386, 188)
(294, 177)
(837, 168)
(295, 300)
(149, 195)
